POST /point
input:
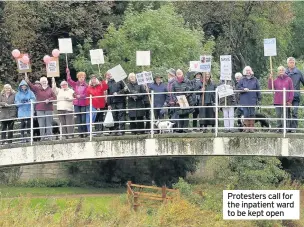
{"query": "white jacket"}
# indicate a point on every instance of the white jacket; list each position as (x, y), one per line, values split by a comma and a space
(65, 98)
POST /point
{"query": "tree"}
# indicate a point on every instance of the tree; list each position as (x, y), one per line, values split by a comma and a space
(162, 31)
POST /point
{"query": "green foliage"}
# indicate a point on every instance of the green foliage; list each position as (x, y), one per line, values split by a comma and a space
(50, 183)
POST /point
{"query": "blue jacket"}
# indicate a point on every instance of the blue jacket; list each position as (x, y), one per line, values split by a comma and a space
(159, 99)
(297, 78)
(23, 100)
(249, 98)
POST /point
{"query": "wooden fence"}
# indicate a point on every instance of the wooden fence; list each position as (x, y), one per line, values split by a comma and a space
(141, 194)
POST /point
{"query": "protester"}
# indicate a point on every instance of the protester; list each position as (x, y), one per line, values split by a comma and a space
(182, 85)
(170, 101)
(248, 97)
(65, 108)
(159, 99)
(94, 89)
(297, 78)
(207, 112)
(282, 81)
(136, 102)
(239, 110)
(80, 102)
(8, 112)
(44, 107)
(197, 84)
(116, 101)
(228, 109)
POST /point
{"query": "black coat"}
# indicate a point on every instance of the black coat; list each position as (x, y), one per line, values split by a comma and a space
(183, 87)
(119, 89)
(136, 101)
(209, 97)
(197, 86)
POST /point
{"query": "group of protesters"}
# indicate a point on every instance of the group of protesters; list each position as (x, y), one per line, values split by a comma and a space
(133, 100)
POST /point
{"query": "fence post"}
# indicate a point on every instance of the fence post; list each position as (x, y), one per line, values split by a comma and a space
(91, 116)
(284, 112)
(216, 113)
(164, 194)
(32, 122)
(152, 114)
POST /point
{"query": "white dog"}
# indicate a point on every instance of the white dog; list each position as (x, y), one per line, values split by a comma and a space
(164, 126)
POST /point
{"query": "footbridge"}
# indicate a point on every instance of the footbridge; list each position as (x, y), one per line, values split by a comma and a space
(187, 144)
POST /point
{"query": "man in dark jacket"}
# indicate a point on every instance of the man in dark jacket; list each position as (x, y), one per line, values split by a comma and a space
(297, 78)
(117, 102)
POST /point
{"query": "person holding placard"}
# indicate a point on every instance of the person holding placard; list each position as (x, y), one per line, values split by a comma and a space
(116, 101)
(8, 111)
(136, 101)
(282, 81)
(197, 84)
(44, 107)
(65, 108)
(97, 90)
(23, 100)
(297, 78)
(207, 107)
(250, 96)
(80, 102)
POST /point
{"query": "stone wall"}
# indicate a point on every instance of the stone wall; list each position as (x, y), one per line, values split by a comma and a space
(44, 171)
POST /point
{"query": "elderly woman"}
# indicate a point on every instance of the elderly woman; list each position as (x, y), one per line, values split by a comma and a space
(44, 107)
(94, 89)
(8, 111)
(250, 96)
(80, 103)
(65, 108)
(23, 100)
(282, 81)
(207, 112)
(136, 102)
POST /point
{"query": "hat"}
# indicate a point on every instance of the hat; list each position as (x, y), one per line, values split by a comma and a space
(63, 82)
(92, 76)
(171, 72)
(37, 82)
(158, 76)
(198, 73)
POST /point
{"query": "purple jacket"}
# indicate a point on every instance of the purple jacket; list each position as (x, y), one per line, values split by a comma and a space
(80, 89)
(279, 84)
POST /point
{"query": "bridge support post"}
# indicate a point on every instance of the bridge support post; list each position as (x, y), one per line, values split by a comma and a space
(32, 122)
(152, 113)
(216, 113)
(284, 112)
(91, 120)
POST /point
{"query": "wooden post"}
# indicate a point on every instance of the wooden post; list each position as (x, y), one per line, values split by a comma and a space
(99, 70)
(66, 60)
(164, 194)
(135, 204)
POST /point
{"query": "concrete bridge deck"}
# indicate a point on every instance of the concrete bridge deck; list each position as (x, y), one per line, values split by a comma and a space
(191, 144)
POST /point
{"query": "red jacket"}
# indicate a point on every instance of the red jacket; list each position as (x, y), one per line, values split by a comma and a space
(98, 90)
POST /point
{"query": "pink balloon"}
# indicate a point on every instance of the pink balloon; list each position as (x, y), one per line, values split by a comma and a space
(25, 59)
(16, 53)
(46, 59)
(55, 53)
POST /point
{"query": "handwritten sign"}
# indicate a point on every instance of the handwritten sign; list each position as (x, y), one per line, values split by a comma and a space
(97, 57)
(226, 67)
(270, 47)
(144, 78)
(194, 66)
(205, 59)
(52, 68)
(22, 67)
(65, 45)
(182, 101)
(224, 90)
(118, 73)
(142, 58)
(197, 66)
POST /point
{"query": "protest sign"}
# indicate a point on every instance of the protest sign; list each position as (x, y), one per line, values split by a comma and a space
(270, 47)
(205, 59)
(224, 90)
(226, 67)
(52, 68)
(194, 66)
(197, 66)
(97, 57)
(182, 101)
(144, 78)
(142, 58)
(118, 73)
(23, 67)
(65, 45)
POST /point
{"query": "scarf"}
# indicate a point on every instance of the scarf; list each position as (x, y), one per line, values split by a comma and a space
(180, 79)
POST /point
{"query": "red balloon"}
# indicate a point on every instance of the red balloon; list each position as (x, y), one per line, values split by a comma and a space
(46, 59)
(25, 59)
(55, 53)
(16, 53)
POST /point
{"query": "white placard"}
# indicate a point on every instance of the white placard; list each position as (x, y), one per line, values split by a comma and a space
(118, 73)
(144, 78)
(97, 57)
(270, 47)
(142, 58)
(182, 101)
(226, 67)
(261, 204)
(194, 66)
(224, 90)
(205, 59)
(65, 46)
(197, 66)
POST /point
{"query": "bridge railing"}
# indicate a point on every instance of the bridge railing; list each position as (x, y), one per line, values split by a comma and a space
(171, 114)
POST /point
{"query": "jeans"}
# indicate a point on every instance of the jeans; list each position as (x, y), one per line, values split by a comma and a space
(45, 123)
(80, 118)
(249, 112)
(294, 114)
(94, 113)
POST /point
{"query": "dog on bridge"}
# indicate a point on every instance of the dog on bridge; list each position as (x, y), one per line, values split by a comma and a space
(260, 118)
(164, 126)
